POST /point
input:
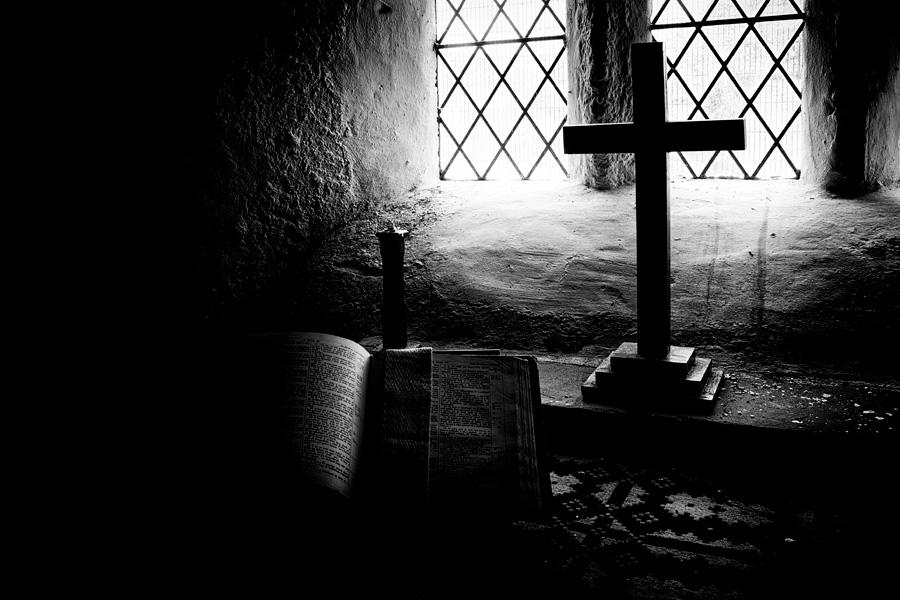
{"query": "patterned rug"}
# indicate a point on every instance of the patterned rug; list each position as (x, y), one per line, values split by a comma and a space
(629, 531)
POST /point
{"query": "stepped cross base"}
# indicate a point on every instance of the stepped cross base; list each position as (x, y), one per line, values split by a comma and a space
(679, 382)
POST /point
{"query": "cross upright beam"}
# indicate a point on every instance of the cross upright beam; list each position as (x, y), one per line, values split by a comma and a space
(650, 137)
(651, 169)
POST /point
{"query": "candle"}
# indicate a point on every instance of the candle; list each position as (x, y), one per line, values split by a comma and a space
(393, 311)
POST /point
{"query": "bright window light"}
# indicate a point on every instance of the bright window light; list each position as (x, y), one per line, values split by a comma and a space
(735, 59)
(501, 88)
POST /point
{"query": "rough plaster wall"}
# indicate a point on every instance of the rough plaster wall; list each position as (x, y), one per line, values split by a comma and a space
(600, 35)
(390, 96)
(818, 101)
(769, 271)
(319, 111)
(883, 119)
(851, 96)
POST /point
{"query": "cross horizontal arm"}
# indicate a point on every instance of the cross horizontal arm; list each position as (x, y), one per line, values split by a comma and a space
(599, 139)
(711, 134)
(670, 136)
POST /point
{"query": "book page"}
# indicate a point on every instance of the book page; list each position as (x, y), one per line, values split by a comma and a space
(474, 447)
(534, 482)
(320, 389)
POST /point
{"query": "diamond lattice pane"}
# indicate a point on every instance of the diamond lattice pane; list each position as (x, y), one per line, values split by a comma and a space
(455, 59)
(470, 13)
(791, 141)
(500, 114)
(792, 61)
(559, 12)
(480, 79)
(525, 146)
(776, 102)
(750, 65)
(501, 55)
(482, 147)
(447, 146)
(697, 9)
(523, 13)
(546, 168)
(502, 29)
(725, 65)
(679, 102)
(455, 31)
(545, 111)
(722, 165)
(775, 165)
(751, 8)
(725, 9)
(697, 160)
(759, 142)
(460, 169)
(557, 145)
(673, 40)
(445, 78)
(698, 66)
(724, 38)
(781, 7)
(722, 98)
(546, 52)
(777, 34)
(445, 18)
(547, 24)
(524, 76)
(503, 169)
(458, 113)
(668, 12)
(501, 93)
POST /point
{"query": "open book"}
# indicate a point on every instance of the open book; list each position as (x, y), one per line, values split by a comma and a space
(448, 428)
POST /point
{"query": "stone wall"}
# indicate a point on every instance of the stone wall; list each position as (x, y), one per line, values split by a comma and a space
(600, 35)
(852, 95)
(298, 117)
(301, 123)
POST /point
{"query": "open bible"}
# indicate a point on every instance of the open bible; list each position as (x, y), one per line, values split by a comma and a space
(441, 428)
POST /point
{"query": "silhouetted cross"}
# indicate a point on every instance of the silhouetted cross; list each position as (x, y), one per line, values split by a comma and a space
(650, 137)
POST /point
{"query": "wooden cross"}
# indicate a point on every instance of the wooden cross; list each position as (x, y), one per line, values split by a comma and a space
(650, 137)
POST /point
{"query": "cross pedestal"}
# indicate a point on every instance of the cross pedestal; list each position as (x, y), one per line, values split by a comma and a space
(652, 367)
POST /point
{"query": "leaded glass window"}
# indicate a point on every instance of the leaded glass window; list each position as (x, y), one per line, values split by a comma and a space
(501, 88)
(735, 59)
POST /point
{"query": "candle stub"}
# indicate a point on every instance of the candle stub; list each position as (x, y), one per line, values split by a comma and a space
(393, 309)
